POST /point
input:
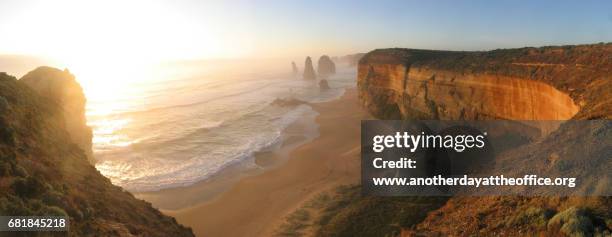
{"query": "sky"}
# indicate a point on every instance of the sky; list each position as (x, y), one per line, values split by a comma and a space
(142, 31)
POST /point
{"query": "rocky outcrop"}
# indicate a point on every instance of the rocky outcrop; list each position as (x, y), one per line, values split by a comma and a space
(287, 102)
(62, 88)
(43, 172)
(323, 84)
(294, 68)
(326, 66)
(528, 83)
(309, 72)
(548, 83)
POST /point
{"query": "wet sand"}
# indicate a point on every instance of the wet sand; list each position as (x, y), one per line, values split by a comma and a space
(255, 204)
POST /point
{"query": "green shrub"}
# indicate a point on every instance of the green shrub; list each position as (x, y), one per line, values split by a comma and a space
(7, 133)
(533, 216)
(30, 187)
(52, 197)
(53, 211)
(14, 206)
(350, 214)
(295, 223)
(319, 201)
(19, 171)
(5, 169)
(563, 165)
(4, 203)
(572, 222)
(4, 105)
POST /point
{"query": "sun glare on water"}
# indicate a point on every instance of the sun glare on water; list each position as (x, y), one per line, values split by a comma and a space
(108, 44)
(119, 49)
(111, 47)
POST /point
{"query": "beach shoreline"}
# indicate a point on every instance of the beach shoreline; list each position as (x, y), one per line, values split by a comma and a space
(256, 202)
(300, 132)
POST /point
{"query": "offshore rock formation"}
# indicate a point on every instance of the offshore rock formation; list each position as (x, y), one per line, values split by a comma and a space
(287, 102)
(326, 66)
(309, 72)
(294, 68)
(324, 85)
(62, 88)
(44, 172)
(547, 83)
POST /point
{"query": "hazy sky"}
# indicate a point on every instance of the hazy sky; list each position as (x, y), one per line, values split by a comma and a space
(151, 30)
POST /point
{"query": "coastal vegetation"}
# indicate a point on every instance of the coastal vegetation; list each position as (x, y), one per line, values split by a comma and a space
(44, 172)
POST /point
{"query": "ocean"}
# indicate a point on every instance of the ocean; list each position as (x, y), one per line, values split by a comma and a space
(195, 119)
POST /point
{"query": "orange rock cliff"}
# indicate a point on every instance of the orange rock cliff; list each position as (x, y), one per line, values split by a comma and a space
(547, 83)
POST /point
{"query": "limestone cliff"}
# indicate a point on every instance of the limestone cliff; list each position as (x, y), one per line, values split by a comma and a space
(547, 83)
(44, 172)
(529, 83)
(62, 88)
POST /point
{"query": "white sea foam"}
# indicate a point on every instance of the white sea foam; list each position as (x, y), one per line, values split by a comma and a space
(191, 132)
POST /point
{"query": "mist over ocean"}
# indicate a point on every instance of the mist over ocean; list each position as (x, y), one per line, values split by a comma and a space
(198, 118)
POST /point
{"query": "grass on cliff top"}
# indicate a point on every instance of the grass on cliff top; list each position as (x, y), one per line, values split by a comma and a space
(344, 212)
(519, 62)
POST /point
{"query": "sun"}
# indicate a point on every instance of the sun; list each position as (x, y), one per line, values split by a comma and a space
(105, 43)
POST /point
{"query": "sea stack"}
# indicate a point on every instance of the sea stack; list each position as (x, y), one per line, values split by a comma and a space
(62, 88)
(323, 85)
(309, 72)
(294, 68)
(326, 66)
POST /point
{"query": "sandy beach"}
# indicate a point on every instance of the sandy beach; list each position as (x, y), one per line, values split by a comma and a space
(256, 204)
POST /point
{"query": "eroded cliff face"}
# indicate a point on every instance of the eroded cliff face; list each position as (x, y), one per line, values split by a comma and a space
(548, 83)
(424, 93)
(62, 88)
(551, 83)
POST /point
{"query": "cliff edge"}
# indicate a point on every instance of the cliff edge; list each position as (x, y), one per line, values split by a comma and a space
(62, 88)
(560, 82)
(43, 171)
(547, 83)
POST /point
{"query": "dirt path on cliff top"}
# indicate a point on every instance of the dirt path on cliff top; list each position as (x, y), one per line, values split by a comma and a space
(256, 205)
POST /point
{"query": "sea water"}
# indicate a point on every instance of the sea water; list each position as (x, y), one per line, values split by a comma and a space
(197, 118)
